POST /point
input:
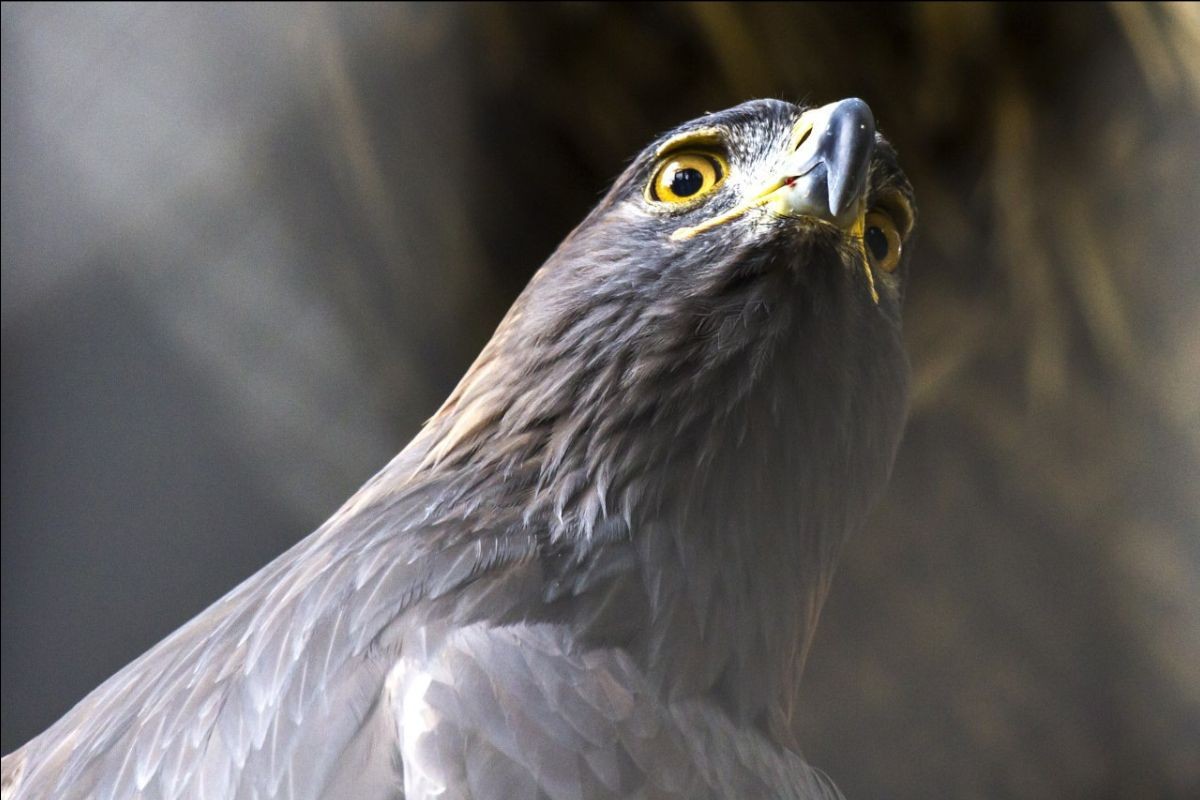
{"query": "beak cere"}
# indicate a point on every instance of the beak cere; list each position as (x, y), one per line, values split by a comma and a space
(824, 177)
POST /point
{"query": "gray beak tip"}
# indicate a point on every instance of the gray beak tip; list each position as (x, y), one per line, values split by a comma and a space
(848, 146)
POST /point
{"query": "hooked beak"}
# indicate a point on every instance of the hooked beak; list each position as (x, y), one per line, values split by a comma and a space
(823, 176)
(828, 171)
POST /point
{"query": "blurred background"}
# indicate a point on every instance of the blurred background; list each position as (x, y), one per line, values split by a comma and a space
(247, 249)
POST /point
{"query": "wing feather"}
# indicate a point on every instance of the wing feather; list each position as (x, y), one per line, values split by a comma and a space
(252, 697)
(513, 712)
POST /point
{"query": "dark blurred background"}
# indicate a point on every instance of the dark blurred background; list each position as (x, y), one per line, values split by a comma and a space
(248, 249)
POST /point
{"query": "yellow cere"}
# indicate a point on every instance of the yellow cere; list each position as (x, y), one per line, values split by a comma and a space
(800, 132)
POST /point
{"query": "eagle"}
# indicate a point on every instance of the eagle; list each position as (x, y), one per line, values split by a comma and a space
(596, 570)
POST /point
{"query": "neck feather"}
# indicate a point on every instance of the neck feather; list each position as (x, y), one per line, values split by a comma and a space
(691, 501)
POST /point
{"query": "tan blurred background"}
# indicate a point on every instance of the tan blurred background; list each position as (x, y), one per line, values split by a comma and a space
(247, 249)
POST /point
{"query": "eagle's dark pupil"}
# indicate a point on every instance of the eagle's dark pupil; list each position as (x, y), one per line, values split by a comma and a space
(877, 242)
(686, 182)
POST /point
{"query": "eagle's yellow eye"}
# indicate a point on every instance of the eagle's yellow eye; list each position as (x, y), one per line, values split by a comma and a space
(683, 177)
(882, 240)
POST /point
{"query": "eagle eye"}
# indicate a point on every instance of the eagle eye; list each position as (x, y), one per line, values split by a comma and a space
(882, 239)
(685, 177)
